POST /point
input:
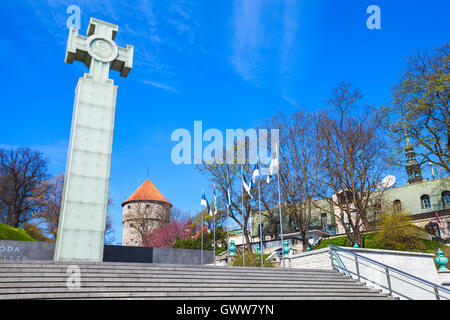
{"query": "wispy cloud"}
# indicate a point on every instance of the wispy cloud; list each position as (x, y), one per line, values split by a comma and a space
(248, 34)
(290, 100)
(160, 85)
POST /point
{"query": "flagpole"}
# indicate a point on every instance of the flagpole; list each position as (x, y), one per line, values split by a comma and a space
(281, 220)
(228, 210)
(228, 235)
(242, 209)
(202, 240)
(279, 205)
(260, 223)
(214, 224)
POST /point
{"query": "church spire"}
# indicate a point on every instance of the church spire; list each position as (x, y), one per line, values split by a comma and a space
(412, 166)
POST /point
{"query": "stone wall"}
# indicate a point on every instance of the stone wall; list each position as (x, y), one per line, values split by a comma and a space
(444, 277)
(26, 250)
(35, 250)
(317, 259)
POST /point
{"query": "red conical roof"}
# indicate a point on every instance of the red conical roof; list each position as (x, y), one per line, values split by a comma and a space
(146, 192)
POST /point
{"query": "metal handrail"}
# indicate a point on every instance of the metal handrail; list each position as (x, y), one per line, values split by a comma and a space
(387, 272)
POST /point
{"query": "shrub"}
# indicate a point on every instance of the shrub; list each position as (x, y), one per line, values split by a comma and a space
(251, 260)
(34, 232)
(398, 233)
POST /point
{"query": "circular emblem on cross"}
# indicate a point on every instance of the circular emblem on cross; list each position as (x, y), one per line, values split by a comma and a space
(101, 49)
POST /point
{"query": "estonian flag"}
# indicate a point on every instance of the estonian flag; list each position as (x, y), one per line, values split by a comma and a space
(246, 186)
(228, 191)
(437, 217)
(273, 169)
(215, 201)
(255, 172)
(205, 203)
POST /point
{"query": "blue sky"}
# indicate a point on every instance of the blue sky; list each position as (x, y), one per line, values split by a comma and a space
(230, 64)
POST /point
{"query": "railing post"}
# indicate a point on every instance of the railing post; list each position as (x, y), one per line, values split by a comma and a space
(436, 292)
(331, 257)
(357, 267)
(388, 280)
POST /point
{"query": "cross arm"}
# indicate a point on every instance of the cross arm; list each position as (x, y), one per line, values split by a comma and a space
(76, 49)
(124, 60)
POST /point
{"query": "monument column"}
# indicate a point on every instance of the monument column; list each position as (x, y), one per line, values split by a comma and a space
(82, 217)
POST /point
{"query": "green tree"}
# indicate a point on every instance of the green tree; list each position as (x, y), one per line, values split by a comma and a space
(420, 108)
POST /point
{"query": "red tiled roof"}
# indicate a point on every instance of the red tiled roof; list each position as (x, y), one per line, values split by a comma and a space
(146, 192)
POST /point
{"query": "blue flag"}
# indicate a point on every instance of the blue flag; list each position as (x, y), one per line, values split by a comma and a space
(205, 203)
(246, 186)
(228, 191)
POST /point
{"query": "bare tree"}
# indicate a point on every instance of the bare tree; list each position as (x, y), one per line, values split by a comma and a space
(48, 215)
(299, 156)
(22, 172)
(354, 160)
(217, 174)
(109, 229)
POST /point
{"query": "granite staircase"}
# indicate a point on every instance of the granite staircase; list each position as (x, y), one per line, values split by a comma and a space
(54, 280)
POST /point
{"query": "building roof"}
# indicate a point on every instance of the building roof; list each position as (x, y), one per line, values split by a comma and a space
(146, 192)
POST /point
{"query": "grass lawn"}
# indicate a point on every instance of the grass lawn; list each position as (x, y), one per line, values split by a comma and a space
(10, 233)
(371, 243)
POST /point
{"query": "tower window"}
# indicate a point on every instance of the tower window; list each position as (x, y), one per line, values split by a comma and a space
(425, 201)
(397, 206)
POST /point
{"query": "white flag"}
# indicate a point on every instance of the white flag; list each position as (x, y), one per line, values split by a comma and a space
(273, 168)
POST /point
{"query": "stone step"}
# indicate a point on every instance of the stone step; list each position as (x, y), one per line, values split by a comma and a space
(138, 264)
(240, 284)
(250, 298)
(200, 276)
(184, 281)
(193, 290)
(48, 280)
(202, 295)
(46, 269)
(4, 266)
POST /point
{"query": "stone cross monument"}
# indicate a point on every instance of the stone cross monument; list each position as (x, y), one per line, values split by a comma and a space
(82, 218)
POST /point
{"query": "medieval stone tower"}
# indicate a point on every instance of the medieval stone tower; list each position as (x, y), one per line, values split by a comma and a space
(145, 210)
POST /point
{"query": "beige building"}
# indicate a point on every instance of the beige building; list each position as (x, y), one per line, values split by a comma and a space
(145, 210)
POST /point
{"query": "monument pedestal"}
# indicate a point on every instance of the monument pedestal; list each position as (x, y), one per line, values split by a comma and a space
(84, 205)
(82, 219)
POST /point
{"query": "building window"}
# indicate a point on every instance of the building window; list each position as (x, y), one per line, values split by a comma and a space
(446, 197)
(425, 201)
(397, 206)
(131, 225)
(129, 207)
(324, 220)
(377, 208)
(147, 206)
